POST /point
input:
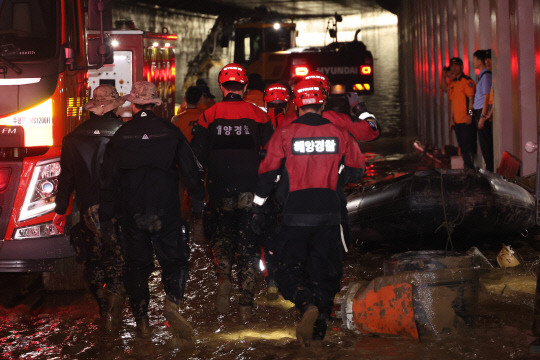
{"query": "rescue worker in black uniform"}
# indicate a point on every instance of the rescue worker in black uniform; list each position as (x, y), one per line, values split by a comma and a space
(228, 140)
(140, 186)
(307, 158)
(96, 243)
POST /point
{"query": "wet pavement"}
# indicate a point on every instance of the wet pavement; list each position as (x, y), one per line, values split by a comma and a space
(40, 325)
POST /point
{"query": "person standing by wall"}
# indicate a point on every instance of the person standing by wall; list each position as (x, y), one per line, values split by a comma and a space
(96, 244)
(228, 140)
(307, 158)
(140, 186)
(461, 89)
(481, 108)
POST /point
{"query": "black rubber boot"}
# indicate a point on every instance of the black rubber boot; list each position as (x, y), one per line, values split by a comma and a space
(319, 329)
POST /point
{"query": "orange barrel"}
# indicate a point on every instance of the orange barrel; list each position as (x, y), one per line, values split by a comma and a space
(445, 289)
(426, 293)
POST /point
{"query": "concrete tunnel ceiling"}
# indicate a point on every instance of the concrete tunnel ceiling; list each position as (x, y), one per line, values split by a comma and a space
(293, 8)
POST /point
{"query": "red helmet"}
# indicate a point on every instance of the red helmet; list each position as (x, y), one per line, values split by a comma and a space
(276, 92)
(308, 92)
(233, 72)
(320, 77)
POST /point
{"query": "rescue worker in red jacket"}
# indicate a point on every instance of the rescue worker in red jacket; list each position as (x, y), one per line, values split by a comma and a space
(307, 158)
(228, 140)
(276, 100)
(363, 126)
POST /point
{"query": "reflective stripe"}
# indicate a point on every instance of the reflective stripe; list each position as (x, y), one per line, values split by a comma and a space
(343, 239)
(259, 200)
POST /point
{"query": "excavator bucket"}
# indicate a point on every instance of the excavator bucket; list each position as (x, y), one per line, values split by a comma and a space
(386, 311)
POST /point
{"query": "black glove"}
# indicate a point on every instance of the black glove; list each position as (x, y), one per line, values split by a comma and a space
(259, 221)
(352, 98)
(359, 109)
(362, 113)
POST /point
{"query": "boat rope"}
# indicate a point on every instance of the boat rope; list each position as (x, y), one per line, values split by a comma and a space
(449, 227)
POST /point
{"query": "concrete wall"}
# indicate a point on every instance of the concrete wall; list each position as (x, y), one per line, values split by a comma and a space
(433, 31)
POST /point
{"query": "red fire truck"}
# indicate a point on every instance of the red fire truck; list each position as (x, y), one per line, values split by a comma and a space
(140, 55)
(43, 87)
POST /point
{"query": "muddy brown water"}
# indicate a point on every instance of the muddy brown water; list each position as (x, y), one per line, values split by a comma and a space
(66, 326)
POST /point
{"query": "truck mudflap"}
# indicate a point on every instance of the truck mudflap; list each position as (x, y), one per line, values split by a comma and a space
(34, 255)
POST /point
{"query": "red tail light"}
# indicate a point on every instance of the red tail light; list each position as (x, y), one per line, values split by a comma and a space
(5, 173)
(365, 69)
(301, 71)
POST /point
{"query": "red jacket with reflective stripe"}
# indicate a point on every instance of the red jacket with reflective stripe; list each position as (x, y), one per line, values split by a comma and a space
(309, 157)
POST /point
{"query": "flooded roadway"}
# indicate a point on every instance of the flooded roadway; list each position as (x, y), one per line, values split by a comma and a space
(40, 325)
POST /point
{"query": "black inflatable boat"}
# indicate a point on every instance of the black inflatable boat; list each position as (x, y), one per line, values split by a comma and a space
(437, 202)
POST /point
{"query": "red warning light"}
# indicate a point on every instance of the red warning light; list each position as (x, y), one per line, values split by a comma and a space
(301, 70)
(365, 69)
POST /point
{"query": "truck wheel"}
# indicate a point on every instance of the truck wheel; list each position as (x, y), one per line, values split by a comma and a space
(68, 276)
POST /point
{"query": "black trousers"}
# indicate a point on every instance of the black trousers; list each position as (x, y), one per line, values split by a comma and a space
(466, 137)
(97, 246)
(170, 244)
(485, 138)
(310, 265)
